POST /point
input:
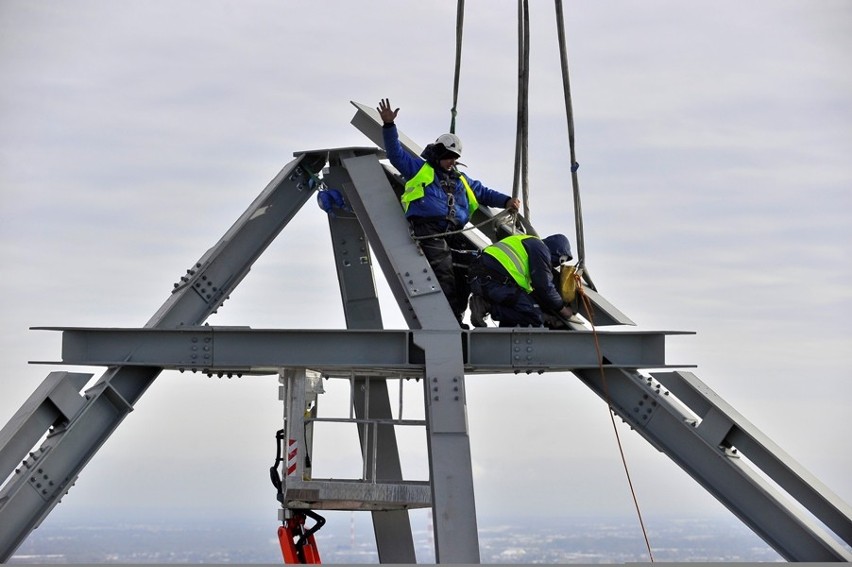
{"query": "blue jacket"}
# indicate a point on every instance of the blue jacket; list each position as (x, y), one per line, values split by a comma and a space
(434, 203)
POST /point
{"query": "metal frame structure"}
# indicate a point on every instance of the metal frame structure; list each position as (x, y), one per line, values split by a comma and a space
(60, 427)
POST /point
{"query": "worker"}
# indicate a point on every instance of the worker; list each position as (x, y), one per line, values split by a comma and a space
(513, 279)
(438, 199)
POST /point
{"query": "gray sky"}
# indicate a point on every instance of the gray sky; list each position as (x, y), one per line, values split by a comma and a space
(714, 140)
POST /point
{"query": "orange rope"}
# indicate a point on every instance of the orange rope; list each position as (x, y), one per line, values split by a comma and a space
(589, 311)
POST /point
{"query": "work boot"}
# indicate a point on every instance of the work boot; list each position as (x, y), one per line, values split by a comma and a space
(478, 310)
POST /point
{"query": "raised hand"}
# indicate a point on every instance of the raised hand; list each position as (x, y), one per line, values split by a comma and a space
(388, 115)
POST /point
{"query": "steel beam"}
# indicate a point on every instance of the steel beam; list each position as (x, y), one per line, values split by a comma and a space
(705, 436)
(425, 307)
(242, 350)
(725, 430)
(195, 296)
(405, 268)
(671, 427)
(386, 500)
(352, 258)
(56, 402)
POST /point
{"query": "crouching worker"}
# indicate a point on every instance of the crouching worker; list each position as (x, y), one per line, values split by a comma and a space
(513, 279)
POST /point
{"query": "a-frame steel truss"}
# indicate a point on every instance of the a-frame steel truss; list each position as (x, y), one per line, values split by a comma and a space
(674, 411)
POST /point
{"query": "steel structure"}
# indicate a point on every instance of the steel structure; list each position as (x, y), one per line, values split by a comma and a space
(60, 427)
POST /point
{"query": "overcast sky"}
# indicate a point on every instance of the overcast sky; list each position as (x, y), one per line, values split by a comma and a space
(714, 140)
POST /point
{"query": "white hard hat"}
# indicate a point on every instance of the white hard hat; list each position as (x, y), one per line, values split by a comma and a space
(451, 142)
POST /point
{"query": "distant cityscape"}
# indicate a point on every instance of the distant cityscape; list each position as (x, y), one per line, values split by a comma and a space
(349, 539)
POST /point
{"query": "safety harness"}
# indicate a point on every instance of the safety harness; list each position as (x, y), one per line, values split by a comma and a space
(415, 189)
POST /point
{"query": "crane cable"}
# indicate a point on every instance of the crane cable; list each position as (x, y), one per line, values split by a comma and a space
(459, 30)
(521, 136)
(521, 176)
(569, 113)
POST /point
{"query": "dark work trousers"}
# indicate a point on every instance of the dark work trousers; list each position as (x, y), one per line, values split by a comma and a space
(446, 255)
(510, 304)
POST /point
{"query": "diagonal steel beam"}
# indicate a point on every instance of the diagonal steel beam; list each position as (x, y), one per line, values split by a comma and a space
(204, 287)
(353, 261)
(725, 431)
(425, 308)
(701, 451)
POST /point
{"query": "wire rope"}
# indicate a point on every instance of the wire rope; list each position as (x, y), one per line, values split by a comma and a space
(569, 114)
(459, 34)
(589, 310)
(521, 178)
(521, 182)
(496, 218)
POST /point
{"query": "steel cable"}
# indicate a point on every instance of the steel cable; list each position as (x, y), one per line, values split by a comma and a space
(569, 114)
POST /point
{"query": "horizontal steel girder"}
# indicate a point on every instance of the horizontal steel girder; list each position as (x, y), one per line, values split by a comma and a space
(335, 494)
(241, 350)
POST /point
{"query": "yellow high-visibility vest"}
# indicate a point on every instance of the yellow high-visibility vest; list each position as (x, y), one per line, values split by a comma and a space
(415, 188)
(513, 256)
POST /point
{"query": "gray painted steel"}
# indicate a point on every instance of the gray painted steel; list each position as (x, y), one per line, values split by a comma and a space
(386, 501)
(669, 426)
(241, 350)
(55, 402)
(425, 307)
(197, 294)
(688, 422)
(352, 258)
(406, 270)
(721, 426)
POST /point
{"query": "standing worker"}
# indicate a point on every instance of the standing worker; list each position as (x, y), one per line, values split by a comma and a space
(438, 199)
(513, 280)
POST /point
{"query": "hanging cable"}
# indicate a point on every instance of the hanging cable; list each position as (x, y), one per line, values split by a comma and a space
(459, 30)
(589, 309)
(521, 179)
(581, 271)
(569, 112)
